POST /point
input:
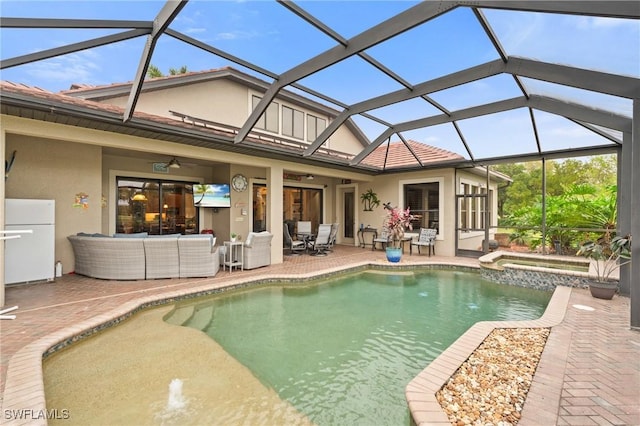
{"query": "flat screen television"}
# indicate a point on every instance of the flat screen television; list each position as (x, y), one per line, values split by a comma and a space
(212, 195)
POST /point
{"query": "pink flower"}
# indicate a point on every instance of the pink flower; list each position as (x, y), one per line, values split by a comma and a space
(397, 221)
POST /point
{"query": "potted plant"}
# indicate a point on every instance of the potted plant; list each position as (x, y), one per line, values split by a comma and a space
(233, 237)
(607, 256)
(396, 222)
(369, 200)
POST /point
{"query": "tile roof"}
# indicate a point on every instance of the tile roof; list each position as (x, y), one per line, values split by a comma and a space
(77, 88)
(398, 155)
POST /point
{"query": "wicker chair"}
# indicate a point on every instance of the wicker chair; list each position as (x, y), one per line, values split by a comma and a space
(199, 257)
(257, 250)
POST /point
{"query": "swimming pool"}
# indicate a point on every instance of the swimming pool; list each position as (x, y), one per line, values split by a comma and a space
(338, 352)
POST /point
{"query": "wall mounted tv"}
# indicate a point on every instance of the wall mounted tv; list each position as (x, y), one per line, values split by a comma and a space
(212, 195)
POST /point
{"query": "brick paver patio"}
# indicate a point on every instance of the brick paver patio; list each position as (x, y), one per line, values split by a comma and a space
(589, 373)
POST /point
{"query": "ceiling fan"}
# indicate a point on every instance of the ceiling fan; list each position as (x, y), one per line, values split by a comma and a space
(173, 164)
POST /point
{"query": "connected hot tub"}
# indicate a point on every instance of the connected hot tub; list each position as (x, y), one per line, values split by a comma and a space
(542, 272)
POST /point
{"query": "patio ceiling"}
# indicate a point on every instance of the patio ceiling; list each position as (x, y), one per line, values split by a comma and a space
(383, 70)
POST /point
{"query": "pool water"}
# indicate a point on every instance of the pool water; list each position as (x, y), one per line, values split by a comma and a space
(342, 352)
(567, 266)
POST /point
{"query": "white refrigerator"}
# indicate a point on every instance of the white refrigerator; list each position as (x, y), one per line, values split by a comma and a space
(32, 256)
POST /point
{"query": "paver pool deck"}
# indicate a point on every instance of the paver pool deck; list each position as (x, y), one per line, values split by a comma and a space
(589, 373)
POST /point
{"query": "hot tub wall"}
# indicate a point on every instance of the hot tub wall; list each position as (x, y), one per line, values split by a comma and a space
(537, 278)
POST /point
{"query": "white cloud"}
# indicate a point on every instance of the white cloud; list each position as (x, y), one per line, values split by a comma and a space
(589, 22)
(235, 35)
(195, 30)
(72, 68)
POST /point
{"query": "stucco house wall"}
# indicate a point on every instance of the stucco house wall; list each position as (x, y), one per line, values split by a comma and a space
(221, 100)
(58, 170)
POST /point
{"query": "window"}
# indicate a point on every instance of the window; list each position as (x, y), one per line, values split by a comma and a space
(155, 206)
(424, 199)
(464, 207)
(270, 119)
(315, 126)
(292, 122)
(474, 207)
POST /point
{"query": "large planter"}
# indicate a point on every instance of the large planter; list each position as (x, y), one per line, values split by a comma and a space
(601, 290)
(394, 254)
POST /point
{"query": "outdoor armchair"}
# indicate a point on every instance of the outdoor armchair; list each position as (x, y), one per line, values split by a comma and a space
(382, 239)
(426, 238)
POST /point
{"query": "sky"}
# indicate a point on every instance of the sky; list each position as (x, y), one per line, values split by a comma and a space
(272, 37)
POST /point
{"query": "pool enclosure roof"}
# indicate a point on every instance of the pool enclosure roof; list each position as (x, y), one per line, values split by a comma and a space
(457, 75)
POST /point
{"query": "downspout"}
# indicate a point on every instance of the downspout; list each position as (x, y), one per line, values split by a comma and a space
(487, 207)
(544, 206)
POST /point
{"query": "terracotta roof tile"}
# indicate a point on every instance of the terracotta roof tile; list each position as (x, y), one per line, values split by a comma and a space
(79, 102)
(81, 87)
(399, 155)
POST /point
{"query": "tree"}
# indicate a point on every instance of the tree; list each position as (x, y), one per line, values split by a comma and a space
(598, 171)
(154, 72)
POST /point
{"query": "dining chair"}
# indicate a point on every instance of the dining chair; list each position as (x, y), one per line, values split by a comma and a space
(294, 246)
(333, 235)
(304, 227)
(321, 243)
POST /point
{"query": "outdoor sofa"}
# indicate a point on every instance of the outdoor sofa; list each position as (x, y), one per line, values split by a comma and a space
(141, 256)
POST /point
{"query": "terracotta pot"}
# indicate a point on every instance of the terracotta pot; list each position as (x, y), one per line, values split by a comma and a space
(603, 290)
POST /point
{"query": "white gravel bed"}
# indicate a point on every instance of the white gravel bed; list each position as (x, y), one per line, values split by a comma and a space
(491, 386)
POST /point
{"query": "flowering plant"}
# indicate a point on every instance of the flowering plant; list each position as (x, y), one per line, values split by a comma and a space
(396, 221)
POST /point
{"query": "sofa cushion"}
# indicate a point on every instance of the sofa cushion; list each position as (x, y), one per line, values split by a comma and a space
(134, 235)
(209, 237)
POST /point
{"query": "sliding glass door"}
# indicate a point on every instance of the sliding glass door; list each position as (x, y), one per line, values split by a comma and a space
(299, 204)
(156, 207)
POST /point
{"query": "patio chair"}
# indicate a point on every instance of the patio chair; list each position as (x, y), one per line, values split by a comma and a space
(426, 238)
(321, 244)
(333, 235)
(382, 239)
(294, 246)
(304, 228)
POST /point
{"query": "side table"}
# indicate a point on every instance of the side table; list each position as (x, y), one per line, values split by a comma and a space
(233, 255)
(361, 236)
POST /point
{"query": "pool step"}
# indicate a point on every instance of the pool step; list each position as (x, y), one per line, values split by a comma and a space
(181, 315)
(201, 318)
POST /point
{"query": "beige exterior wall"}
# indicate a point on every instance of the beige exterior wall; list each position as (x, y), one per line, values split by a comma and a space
(226, 102)
(344, 141)
(58, 170)
(221, 101)
(390, 189)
